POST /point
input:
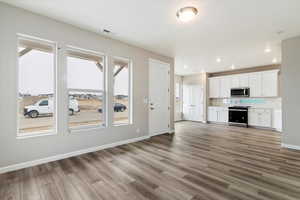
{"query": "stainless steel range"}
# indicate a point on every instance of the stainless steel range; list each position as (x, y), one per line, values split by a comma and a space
(238, 115)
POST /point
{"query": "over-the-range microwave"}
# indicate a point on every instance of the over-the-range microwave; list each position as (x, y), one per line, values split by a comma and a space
(240, 92)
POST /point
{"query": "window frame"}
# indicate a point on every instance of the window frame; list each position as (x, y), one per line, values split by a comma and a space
(79, 129)
(130, 91)
(54, 46)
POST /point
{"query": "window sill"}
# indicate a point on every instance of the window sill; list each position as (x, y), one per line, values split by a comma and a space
(35, 134)
(122, 124)
(79, 130)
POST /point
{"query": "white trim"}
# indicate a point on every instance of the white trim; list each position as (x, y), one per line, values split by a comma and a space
(103, 124)
(172, 131)
(68, 155)
(160, 133)
(54, 129)
(130, 91)
(289, 146)
(169, 94)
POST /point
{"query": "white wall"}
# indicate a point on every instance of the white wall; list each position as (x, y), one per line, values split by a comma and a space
(13, 151)
(290, 91)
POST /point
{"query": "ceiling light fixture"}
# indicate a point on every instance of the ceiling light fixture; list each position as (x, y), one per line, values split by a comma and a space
(186, 14)
(185, 66)
(274, 60)
(268, 50)
(232, 67)
(219, 60)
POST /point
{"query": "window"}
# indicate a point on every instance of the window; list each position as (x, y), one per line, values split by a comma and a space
(36, 86)
(85, 74)
(44, 103)
(122, 92)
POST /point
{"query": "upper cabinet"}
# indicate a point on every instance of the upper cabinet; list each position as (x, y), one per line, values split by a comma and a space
(234, 81)
(243, 80)
(261, 84)
(255, 84)
(225, 87)
(214, 87)
(269, 84)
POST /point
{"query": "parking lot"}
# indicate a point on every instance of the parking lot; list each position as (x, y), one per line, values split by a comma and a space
(88, 115)
(78, 119)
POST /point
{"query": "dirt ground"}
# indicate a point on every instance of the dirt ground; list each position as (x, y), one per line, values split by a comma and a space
(88, 115)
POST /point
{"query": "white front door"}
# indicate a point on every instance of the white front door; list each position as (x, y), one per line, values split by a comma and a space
(159, 97)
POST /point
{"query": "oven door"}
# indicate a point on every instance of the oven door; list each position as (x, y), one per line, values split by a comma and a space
(238, 116)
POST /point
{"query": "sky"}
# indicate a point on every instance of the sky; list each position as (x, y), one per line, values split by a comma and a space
(36, 74)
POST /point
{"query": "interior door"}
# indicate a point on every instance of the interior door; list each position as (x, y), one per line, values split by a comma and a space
(193, 102)
(197, 102)
(159, 97)
(187, 112)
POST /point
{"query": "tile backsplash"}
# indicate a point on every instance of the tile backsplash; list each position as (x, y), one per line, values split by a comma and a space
(274, 103)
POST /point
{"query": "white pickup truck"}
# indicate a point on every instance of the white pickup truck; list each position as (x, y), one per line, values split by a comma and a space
(45, 107)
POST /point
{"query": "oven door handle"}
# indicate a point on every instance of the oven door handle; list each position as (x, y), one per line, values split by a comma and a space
(240, 110)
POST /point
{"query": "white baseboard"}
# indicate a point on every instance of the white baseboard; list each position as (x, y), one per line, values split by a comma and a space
(67, 155)
(289, 146)
(172, 131)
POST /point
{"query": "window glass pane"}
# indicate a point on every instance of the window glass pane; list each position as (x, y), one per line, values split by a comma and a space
(85, 85)
(85, 108)
(121, 92)
(85, 74)
(36, 88)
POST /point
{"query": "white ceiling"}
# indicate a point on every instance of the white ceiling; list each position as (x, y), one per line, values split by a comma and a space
(237, 31)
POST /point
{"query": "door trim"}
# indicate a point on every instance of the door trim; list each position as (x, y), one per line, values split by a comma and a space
(169, 97)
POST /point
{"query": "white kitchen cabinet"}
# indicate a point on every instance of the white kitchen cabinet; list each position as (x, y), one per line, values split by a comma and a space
(277, 120)
(255, 84)
(222, 115)
(218, 114)
(234, 81)
(225, 87)
(214, 87)
(269, 83)
(261, 84)
(260, 117)
(212, 114)
(243, 80)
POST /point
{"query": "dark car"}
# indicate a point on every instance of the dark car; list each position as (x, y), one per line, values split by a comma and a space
(117, 108)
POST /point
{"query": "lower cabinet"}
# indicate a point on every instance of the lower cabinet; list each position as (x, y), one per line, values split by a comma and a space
(260, 117)
(218, 114)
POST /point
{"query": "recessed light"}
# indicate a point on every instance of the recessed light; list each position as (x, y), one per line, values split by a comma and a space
(185, 66)
(274, 60)
(267, 50)
(186, 14)
(219, 60)
(232, 67)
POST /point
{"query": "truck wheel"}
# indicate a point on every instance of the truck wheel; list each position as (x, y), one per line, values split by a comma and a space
(33, 114)
(71, 112)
